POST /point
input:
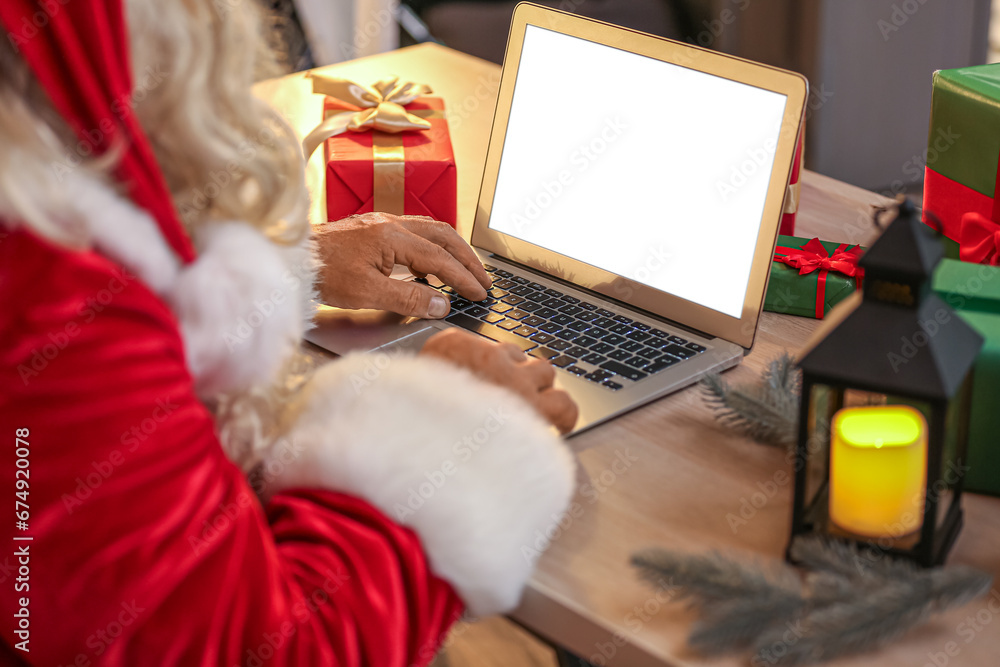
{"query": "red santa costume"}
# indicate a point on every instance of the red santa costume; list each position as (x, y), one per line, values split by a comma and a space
(139, 366)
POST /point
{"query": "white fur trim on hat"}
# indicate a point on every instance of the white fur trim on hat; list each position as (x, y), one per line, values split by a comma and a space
(239, 309)
(242, 305)
(471, 467)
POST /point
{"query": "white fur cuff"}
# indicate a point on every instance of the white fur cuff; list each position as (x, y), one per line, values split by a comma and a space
(471, 467)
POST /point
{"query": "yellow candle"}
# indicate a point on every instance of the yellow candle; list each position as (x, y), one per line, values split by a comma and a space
(878, 467)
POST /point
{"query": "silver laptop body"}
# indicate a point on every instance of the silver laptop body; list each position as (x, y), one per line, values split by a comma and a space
(628, 212)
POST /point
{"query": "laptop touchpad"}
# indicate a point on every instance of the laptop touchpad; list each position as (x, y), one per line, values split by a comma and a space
(343, 331)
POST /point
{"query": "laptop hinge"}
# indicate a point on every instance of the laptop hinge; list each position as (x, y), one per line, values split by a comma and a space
(598, 295)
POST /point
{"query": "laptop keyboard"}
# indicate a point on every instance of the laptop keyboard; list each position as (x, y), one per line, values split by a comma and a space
(578, 337)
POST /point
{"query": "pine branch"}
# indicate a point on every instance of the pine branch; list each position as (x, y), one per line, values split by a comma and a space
(844, 608)
(862, 624)
(703, 579)
(855, 610)
(735, 624)
(736, 602)
(766, 412)
(850, 561)
(884, 614)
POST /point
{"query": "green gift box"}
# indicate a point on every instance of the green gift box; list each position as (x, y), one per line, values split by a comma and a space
(973, 290)
(963, 152)
(809, 276)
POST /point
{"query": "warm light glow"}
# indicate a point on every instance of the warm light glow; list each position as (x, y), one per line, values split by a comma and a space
(878, 468)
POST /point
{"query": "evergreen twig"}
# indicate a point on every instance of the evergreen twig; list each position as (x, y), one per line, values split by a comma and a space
(705, 578)
(766, 412)
(844, 608)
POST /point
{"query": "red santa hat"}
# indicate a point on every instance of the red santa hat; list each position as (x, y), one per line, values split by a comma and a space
(79, 52)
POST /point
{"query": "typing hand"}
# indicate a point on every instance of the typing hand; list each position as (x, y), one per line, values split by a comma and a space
(359, 252)
(507, 366)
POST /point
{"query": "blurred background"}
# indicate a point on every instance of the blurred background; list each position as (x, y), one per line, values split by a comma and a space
(869, 62)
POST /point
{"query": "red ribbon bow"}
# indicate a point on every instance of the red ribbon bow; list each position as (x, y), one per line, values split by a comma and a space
(979, 240)
(979, 236)
(813, 256)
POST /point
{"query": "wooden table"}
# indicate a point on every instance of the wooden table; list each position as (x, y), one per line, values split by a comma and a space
(664, 475)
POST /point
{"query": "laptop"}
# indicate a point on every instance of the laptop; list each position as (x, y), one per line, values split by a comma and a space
(628, 211)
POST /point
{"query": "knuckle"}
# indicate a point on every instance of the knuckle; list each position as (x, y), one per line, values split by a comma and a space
(543, 367)
(412, 301)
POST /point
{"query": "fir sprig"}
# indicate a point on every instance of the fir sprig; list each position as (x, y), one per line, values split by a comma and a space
(766, 412)
(838, 608)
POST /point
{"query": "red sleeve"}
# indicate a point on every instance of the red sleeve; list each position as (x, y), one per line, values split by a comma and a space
(148, 546)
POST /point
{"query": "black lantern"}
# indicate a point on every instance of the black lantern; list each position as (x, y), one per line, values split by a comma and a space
(883, 423)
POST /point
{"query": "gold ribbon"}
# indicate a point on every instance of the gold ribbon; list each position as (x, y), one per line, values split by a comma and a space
(795, 189)
(792, 197)
(382, 110)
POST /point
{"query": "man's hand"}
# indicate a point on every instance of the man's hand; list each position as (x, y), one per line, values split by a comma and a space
(359, 253)
(507, 366)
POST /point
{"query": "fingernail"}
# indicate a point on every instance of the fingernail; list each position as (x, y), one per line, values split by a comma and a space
(439, 307)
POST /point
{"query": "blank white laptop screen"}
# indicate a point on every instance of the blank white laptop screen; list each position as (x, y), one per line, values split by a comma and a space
(646, 169)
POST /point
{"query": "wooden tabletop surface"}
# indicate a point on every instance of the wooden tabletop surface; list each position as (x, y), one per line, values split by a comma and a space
(664, 475)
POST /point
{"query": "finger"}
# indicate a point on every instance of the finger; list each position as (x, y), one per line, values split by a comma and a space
(513, 352)
(561, 410)
(419, 254)
(540, 371)
(407, 298)
(445, 236)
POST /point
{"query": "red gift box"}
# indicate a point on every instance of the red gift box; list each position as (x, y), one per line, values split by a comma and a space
(405, 173)
(787, 227)
(962, 177)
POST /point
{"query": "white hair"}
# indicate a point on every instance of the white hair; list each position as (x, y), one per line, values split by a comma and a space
(225, 154)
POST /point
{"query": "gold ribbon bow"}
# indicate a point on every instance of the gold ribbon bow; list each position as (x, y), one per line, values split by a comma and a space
(382, 109)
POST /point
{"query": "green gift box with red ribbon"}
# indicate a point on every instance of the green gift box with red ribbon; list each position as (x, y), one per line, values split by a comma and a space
(963, 154)
(809, 276)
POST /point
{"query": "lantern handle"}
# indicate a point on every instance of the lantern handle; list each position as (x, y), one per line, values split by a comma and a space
(904, 206)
